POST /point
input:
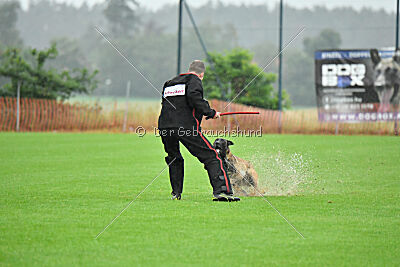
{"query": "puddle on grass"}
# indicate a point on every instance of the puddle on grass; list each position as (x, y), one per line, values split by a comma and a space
(283, 174)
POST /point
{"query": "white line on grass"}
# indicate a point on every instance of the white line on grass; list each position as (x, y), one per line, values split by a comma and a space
(270, 62)
(264, 198)
(114, 45)
(133, 200)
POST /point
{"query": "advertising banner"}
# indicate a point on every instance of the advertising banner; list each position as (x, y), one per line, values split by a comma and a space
(357, 85)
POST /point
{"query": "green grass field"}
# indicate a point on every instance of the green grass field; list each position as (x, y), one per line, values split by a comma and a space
(58, 191)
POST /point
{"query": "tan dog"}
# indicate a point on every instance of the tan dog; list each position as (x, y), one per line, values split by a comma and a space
(244, 178)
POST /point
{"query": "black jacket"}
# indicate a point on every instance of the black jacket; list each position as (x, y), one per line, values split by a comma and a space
(183, 103)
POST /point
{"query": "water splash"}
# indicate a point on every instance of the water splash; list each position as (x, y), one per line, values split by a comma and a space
(282, 174)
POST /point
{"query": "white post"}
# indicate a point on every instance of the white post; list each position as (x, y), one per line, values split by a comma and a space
(18, 105)
(128, 88)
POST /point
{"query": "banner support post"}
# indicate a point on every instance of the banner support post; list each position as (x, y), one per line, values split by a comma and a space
(397, 25)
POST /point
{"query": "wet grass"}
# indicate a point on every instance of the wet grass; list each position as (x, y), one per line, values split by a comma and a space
(58, 191)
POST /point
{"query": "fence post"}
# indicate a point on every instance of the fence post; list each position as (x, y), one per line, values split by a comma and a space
(114, 113)
(337, 128)
(280, 121)
(396, 128)
(128, 88)
(18, 105)
(229, 108)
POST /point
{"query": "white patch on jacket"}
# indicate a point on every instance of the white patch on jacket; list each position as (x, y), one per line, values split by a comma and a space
(175, 90)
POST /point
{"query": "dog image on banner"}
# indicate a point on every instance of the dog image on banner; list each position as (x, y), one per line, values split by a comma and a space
(386, 79)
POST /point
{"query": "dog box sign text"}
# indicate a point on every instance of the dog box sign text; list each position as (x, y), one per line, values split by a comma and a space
(343, 75)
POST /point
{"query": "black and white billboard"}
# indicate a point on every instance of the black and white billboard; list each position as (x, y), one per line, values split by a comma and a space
(357, 85)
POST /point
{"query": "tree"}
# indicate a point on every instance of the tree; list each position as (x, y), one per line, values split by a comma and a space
(298, 77)
(9, 35)
(27, 68)
(69, 55)
(327, 39)
(122, 18)
(237, 71)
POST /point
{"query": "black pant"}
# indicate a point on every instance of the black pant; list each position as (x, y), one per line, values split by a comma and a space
(199, 147)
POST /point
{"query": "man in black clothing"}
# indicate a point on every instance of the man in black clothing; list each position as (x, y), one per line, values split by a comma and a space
(183, 108)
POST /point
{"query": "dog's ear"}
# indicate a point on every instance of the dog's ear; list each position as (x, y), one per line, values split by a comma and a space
(230, 143)
(375, 56)
(216, 141)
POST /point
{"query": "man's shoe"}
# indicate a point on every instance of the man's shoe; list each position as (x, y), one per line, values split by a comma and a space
(224, 197)
(177, 196)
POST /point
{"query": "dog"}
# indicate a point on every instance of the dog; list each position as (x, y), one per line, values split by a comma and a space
(386, 79)
(244, 178)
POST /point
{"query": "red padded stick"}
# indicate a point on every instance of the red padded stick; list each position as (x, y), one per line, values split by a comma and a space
(236, 113)
(239, 112)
